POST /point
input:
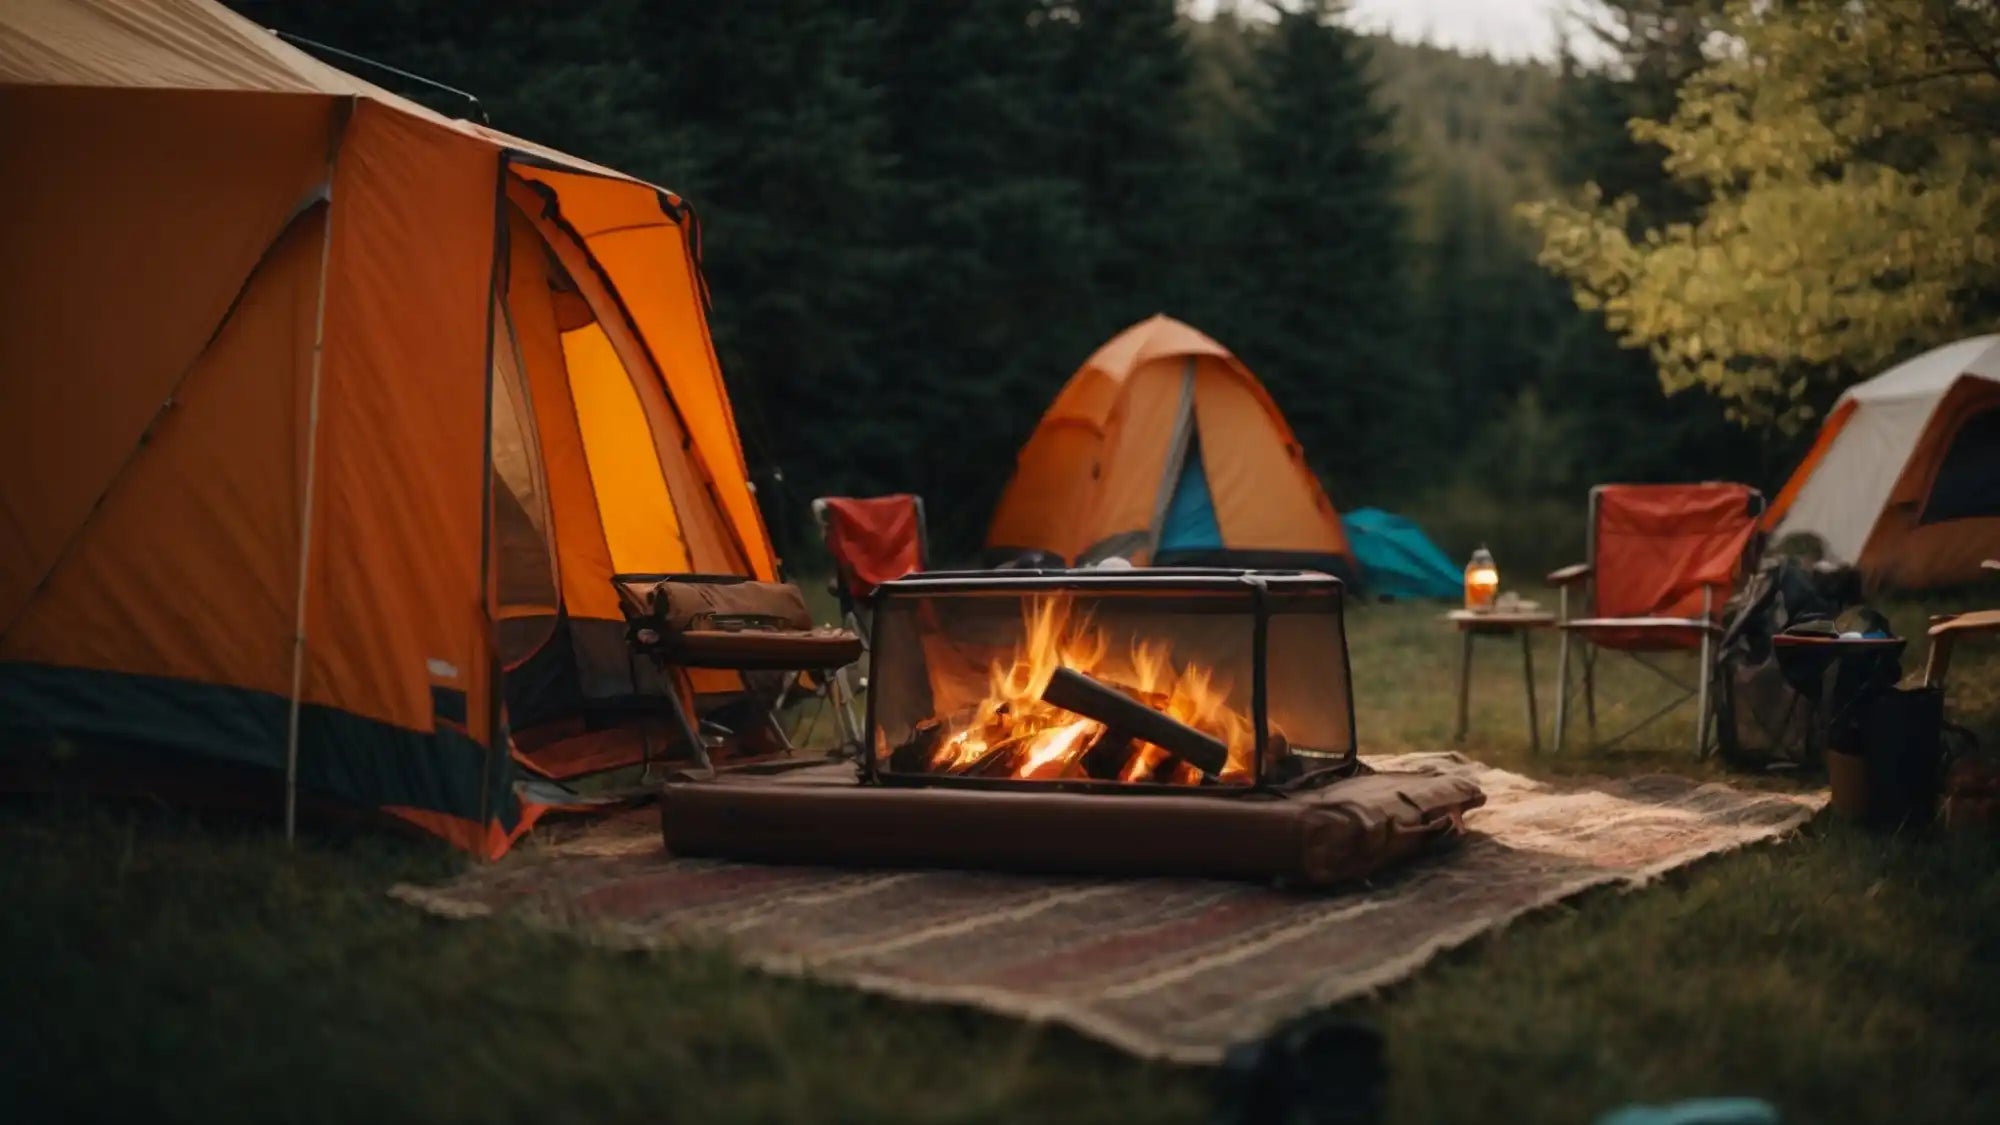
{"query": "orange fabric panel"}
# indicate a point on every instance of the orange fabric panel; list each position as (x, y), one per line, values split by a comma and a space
(1132, 466)
(583, 560)
(159, 43)
(487, 841)
(652, 269)
(395, 600)
(1154, 338)
(113, 283)
(1835, 422)
(650, 261)
(701, 522)
(1054, 484)
(1658, 545)
(873, 540)
(1266, 497)
(1902, 552)
(640, 527)
(190, 567)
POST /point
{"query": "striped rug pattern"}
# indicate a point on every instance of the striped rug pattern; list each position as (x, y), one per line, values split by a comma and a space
(1173, 969)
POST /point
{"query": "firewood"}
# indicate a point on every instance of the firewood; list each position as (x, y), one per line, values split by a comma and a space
(1108, 752)
(918, 754)
(1082, 695)
(999, 760)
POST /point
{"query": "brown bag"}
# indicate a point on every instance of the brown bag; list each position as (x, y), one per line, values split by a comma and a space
(682, 604)
(724, 622)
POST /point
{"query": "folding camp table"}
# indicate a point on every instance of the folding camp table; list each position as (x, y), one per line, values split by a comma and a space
(1472, 623)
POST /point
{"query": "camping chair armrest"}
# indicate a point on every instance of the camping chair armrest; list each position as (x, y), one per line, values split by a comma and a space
(1972, 624)
(1569, 575)
(1991, 564)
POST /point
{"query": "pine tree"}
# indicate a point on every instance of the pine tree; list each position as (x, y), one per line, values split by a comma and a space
(783, 153)
(992, 306)
(1126, 132)
(1319, 249)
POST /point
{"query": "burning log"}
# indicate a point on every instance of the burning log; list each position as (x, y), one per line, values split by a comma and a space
(1105, 759)
(1082, 695)
(918, 754)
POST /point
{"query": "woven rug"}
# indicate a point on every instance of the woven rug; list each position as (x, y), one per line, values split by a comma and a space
(1173, 969)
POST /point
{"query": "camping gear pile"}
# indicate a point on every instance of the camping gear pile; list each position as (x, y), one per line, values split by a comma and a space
(1763, 718)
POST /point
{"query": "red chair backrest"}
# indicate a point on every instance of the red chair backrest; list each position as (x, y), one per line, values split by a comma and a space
(1655, 547)
(874, 539)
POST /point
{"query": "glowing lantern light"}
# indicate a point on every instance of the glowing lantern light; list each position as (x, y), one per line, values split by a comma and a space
(1482, 580)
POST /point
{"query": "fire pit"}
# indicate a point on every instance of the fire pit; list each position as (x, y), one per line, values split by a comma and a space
(1175, 680)
(1189, 723)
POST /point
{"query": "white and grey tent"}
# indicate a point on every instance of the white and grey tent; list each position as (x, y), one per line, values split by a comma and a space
(1904, 478)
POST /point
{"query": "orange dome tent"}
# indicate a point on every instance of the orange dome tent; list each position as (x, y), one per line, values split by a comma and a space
(325, 420)
(1163, 449)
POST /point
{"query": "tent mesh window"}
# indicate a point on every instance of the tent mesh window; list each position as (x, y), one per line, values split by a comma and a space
(1967, 485)
(1203, 680)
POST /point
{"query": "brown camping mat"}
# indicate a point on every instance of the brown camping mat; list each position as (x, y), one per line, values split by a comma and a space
(1167, 968)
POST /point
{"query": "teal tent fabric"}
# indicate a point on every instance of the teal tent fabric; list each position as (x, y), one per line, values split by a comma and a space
(1397, 559)
(1190, 524)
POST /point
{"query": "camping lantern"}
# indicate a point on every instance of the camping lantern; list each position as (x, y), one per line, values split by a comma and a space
(1482, 580)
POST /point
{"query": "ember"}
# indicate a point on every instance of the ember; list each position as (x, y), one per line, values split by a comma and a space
(1067, 706)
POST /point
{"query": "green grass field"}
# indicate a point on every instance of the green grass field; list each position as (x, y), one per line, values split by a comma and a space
(163, 968)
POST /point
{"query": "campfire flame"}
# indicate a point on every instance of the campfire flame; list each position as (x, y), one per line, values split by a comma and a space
(1014, 733)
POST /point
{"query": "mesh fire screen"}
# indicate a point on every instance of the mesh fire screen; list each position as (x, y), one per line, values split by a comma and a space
(1114, 678)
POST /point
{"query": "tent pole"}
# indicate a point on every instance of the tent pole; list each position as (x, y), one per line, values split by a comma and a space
(307, 491)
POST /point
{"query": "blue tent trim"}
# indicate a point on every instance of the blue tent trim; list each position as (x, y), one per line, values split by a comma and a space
(1190, 521)
(1397, 559)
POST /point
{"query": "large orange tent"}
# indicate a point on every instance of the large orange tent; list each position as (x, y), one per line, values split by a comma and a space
(325, 420)
(1163, 449)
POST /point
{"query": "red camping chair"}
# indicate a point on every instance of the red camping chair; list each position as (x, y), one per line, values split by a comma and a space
(871, 540)
(1663, 560)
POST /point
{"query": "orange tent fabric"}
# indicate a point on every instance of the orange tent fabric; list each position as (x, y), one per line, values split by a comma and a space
(1096, 477)
(322, 448)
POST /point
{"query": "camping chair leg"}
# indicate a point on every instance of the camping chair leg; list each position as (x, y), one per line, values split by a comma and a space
(688, 729)
(843, 706)
(1938, 662)
(1464, 681)
(1701, 702)
(778, 728)
(1528, 676)
(1562, 687)
(1707, 673)
(1590, 689)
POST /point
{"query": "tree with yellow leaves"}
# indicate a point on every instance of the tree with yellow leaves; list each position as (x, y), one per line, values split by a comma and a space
(1849, 154)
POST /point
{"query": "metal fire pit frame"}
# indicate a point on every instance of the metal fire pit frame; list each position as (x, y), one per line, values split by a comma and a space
(1256, 588)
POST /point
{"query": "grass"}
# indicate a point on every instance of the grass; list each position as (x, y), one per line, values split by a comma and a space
(196, 970)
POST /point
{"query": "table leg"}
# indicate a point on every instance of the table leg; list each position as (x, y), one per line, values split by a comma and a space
(1528, 672)
(1464, 679)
